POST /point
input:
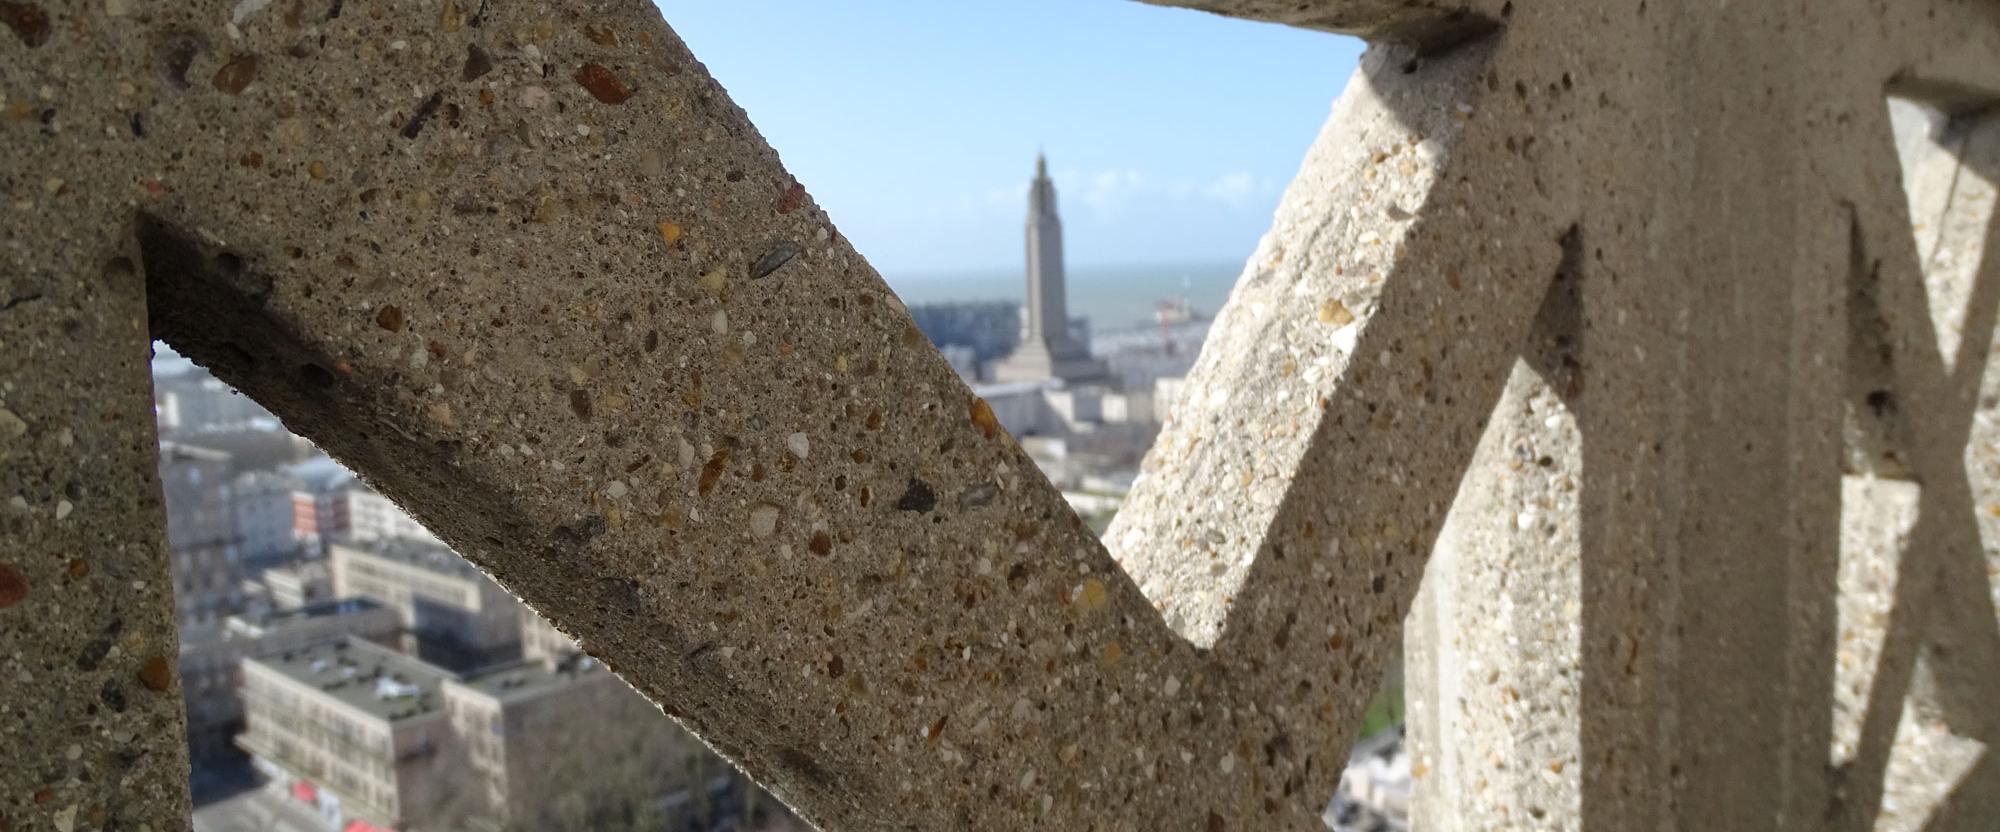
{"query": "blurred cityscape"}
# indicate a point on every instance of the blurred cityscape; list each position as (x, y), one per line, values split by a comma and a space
(346, 671)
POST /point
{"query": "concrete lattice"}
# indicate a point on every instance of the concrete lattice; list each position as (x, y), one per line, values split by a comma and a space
(527, 269)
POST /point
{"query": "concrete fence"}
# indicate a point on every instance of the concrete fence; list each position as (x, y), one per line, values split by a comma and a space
(1656, 333)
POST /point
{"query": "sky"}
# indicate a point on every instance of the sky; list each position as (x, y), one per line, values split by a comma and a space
(1170, 133)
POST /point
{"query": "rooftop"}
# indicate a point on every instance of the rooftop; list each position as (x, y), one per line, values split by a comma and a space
(433, 557)
(530, 678)
(382, 683)
(171, 450)
(259, 623)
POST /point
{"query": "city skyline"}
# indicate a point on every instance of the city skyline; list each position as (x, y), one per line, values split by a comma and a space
(909, 124)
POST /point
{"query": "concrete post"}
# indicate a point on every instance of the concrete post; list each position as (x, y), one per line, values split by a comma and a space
(92, 723)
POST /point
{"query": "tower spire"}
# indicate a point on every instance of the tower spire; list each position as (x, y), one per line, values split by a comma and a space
(1047, 349)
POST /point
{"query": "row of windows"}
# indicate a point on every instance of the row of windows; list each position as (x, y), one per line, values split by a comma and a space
(401, 583)
(307, 762)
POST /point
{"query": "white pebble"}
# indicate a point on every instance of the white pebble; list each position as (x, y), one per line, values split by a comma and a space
(763, 520)
(798, 445)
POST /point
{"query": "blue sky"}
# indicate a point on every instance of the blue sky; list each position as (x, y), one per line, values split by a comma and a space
(1170, 133)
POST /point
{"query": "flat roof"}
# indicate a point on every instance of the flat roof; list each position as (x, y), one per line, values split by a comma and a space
(172, 449)
(373, 679)
(431, 557)
(274, 619)
(530, 678)
(298, 568)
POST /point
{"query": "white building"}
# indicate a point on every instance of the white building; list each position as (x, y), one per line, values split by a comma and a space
(353, 728)
(356, 514)
(297, 584)
(452, 612)
(212, 654)
(194, 401)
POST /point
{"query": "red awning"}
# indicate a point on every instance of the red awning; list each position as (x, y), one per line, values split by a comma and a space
(304, 791)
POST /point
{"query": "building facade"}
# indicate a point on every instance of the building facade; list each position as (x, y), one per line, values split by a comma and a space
(353, 513)
(201, 530)
(354, 728)
(194, 401)
(505, 721)
(275, 516)
(451, 612)
(211, 658)
(541, 641)
(297, 584)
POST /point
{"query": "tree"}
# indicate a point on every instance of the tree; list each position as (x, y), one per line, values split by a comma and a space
(605, 759)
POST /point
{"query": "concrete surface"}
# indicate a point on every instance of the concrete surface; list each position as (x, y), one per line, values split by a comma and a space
(527, 269)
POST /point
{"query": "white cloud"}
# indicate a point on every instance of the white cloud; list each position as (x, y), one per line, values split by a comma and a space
(1236, 190)
(1107, 192)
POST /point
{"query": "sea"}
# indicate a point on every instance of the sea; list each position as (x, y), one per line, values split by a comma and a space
(1114, 298)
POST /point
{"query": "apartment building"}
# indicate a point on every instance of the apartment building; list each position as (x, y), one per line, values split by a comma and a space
(510, 722)
(296, 584)
(452, 613)
(193, 401)
(212, 654)
(354, 728)
(353, 513)
(201, 530)
(275, 516)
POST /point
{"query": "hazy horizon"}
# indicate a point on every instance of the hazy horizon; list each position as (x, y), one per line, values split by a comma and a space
(1111, 296)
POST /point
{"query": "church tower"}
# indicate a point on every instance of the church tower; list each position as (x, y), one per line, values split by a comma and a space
(1047, 350)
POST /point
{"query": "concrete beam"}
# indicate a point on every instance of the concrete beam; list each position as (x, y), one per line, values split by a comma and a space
(1427, 26)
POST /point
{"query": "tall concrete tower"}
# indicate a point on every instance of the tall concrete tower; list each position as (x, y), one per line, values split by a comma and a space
(1046, 350)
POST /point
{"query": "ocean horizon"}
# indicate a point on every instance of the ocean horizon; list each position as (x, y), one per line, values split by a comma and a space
(1112, 297)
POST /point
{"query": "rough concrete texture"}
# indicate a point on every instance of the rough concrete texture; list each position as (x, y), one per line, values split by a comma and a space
(91, 733)
(1709, 386)
(1494, 637)
(1919, 635)
(527, 269)
(91, 730)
